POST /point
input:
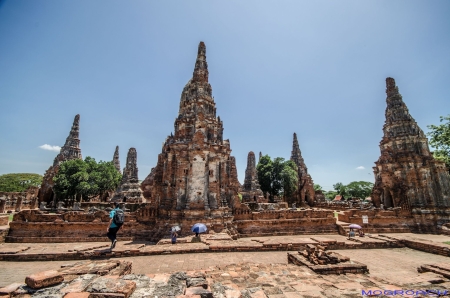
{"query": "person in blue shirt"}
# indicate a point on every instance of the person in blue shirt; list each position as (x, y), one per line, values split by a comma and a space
(112, 227)
(351, 233)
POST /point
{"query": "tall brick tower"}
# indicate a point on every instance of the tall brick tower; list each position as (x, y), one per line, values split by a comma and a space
(194, 170)
(70, 150)
(305, 191)
(406, 174)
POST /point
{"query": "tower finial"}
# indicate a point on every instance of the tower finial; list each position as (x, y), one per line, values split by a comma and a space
(391, 88)
(201, 66)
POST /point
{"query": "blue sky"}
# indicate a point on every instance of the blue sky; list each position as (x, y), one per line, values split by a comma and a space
(316, 68)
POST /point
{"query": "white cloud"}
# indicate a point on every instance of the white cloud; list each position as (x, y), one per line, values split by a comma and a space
(360, 168)
(50, 147)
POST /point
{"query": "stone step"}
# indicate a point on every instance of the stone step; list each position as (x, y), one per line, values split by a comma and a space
(435, 269)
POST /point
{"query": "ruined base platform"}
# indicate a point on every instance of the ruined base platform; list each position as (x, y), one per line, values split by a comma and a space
(339, 268)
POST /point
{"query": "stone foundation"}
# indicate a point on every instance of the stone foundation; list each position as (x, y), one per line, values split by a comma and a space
(430, 220)
(151, 224)
(339, 268)
(380, 221)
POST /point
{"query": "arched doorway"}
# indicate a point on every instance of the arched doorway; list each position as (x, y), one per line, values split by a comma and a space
(387, 198)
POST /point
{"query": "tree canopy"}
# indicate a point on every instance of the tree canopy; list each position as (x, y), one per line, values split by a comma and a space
(85, 178)
(440, 139)
(277, 177)
(19, 182)
(317, 187)
(355, 189)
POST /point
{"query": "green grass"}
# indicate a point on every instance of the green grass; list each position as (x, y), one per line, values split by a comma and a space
(10, 218)
(447, 242)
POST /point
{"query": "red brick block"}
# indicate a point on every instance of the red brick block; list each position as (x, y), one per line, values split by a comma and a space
(106, 295)
(44, 279)
(77, 295)
(6, 291)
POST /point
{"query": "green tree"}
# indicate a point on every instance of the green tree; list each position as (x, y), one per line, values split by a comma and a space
(19, 182)
(85, 179)
(440, 139)
(330, 195)
(358, 189)
(264, 169)
(317, 187)
(289, 176)
(338, 187)
(277, 177)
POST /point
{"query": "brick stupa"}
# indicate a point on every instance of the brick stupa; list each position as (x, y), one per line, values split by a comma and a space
(129, 189)
(70, 150)
(305, 191)
(116, 159)
(194, 170)
(406, 174)
(251, 190)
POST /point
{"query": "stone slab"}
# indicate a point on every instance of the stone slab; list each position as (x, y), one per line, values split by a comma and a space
(44, 279)
(9, 289)
(113, 286)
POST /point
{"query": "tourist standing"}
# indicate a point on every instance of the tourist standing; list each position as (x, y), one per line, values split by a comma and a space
(351, 233)
(173, 236)
(117, 217)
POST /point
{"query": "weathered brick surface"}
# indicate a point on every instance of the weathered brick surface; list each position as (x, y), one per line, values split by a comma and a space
(305, 193)
(70, 150)
(406, 174)
(6, 291)
(4, 220)
(44, 279)
(77, 295)
(111, 286)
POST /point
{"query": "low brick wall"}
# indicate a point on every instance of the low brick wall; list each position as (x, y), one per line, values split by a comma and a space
(4, 219)
(3, 234)
(423, 245)
(283, 226)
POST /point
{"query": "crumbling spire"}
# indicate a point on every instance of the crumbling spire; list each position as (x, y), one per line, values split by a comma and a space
(406, 174)
(116, 160)
(129, 189)
(391, 88)
(201, 66)
(71, 149)
(305, 191)
(398, 119)
(296, 156)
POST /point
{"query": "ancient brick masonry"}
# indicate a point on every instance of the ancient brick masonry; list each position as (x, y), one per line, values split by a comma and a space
(70, 150)
(305, 192)
(406, 174)
(129, 187)
(194, 170)
(251, 190)
(116, 160)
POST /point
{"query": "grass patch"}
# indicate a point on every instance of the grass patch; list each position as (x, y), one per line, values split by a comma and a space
(447, 242)
(10, 217)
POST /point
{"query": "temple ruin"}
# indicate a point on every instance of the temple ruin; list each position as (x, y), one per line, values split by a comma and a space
(194, 170)
(406, 174)
(70, 150)
(305, 191)
(129, 189)
(116, 160)
(251, 191)
(195, 180)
